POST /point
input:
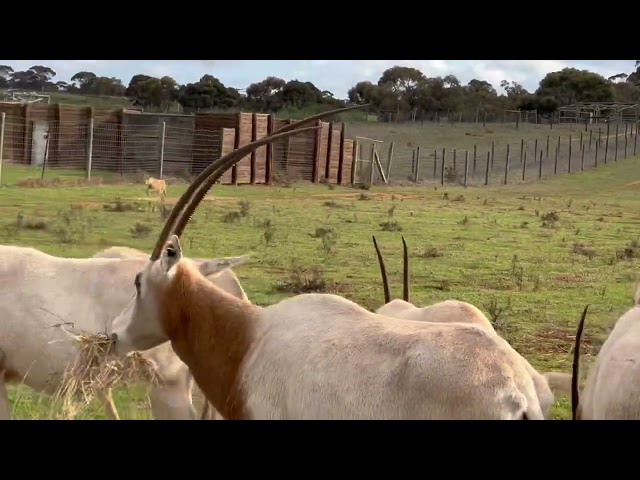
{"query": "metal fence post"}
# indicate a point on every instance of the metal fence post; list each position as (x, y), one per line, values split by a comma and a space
(2, 123)
(466, 167)
(373, 154)
(506, 167)
(90, 149)
(164, 131)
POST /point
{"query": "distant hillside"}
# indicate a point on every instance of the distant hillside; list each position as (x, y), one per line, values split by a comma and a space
(83, 100)
(119, 102)
(90, 100)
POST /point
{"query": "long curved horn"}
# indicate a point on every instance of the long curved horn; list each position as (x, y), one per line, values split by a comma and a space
(182, 221)
(576, 367)
(383, 272)
(317, 116)
(184, 202)
(193, 189)
(405, 275)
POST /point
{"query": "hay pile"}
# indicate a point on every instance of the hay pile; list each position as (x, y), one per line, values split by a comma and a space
(93, 373)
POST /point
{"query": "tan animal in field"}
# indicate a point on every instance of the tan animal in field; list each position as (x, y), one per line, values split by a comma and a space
(612, 387)
(314, 356)
(456, 311)
(156, 184)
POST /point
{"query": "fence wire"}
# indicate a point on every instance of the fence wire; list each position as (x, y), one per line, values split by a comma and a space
(528, 160)
(160, 150)
(167, 150)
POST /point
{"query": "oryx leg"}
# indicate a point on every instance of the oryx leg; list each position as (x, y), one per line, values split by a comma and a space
(206, 415)
(171, 393)
(210, 413)
(172, 401)
(5, 408)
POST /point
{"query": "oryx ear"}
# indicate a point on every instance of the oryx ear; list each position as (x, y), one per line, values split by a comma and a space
(217, 265)
(172, 253)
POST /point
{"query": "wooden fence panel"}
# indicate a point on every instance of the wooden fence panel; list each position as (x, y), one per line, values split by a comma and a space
(241, 172)
(260, 164)
(347, 163)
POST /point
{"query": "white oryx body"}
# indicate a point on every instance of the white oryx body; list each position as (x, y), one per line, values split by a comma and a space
(447, 311)
(455, 311)
(38, 290)
(321, 356)
(612, 388)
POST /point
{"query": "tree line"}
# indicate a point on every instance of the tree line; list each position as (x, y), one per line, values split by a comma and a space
(406, 89)
(399, 90)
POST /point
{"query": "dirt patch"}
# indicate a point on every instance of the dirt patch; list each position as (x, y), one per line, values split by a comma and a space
(635, 184)
(89, 204)
(378, 196)
(205, 199)
(557, 342)
(572, 278)
(32, 182)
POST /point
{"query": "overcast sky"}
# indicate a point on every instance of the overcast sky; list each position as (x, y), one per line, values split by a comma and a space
(336, 76)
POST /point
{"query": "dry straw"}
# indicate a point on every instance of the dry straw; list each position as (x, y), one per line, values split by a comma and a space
(93, 373)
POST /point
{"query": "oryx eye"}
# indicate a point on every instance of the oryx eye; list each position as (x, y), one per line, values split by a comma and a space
(137, 283)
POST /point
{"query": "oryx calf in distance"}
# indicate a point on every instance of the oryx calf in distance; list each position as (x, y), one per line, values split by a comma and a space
(156, 184)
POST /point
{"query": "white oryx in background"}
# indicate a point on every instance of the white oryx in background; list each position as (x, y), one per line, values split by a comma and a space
(612, 387)
(456, 311)
(38, 290)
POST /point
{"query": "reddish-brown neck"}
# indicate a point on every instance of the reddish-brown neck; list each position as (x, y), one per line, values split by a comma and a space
(211, 332)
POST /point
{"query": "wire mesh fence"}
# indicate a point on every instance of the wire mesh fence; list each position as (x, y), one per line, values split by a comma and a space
(165, 150)
(524, 160)
(98, 149)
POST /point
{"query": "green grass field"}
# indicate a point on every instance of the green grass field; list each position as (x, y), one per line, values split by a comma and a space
(530, 255)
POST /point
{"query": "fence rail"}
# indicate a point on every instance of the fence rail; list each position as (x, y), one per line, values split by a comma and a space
(492, 114)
